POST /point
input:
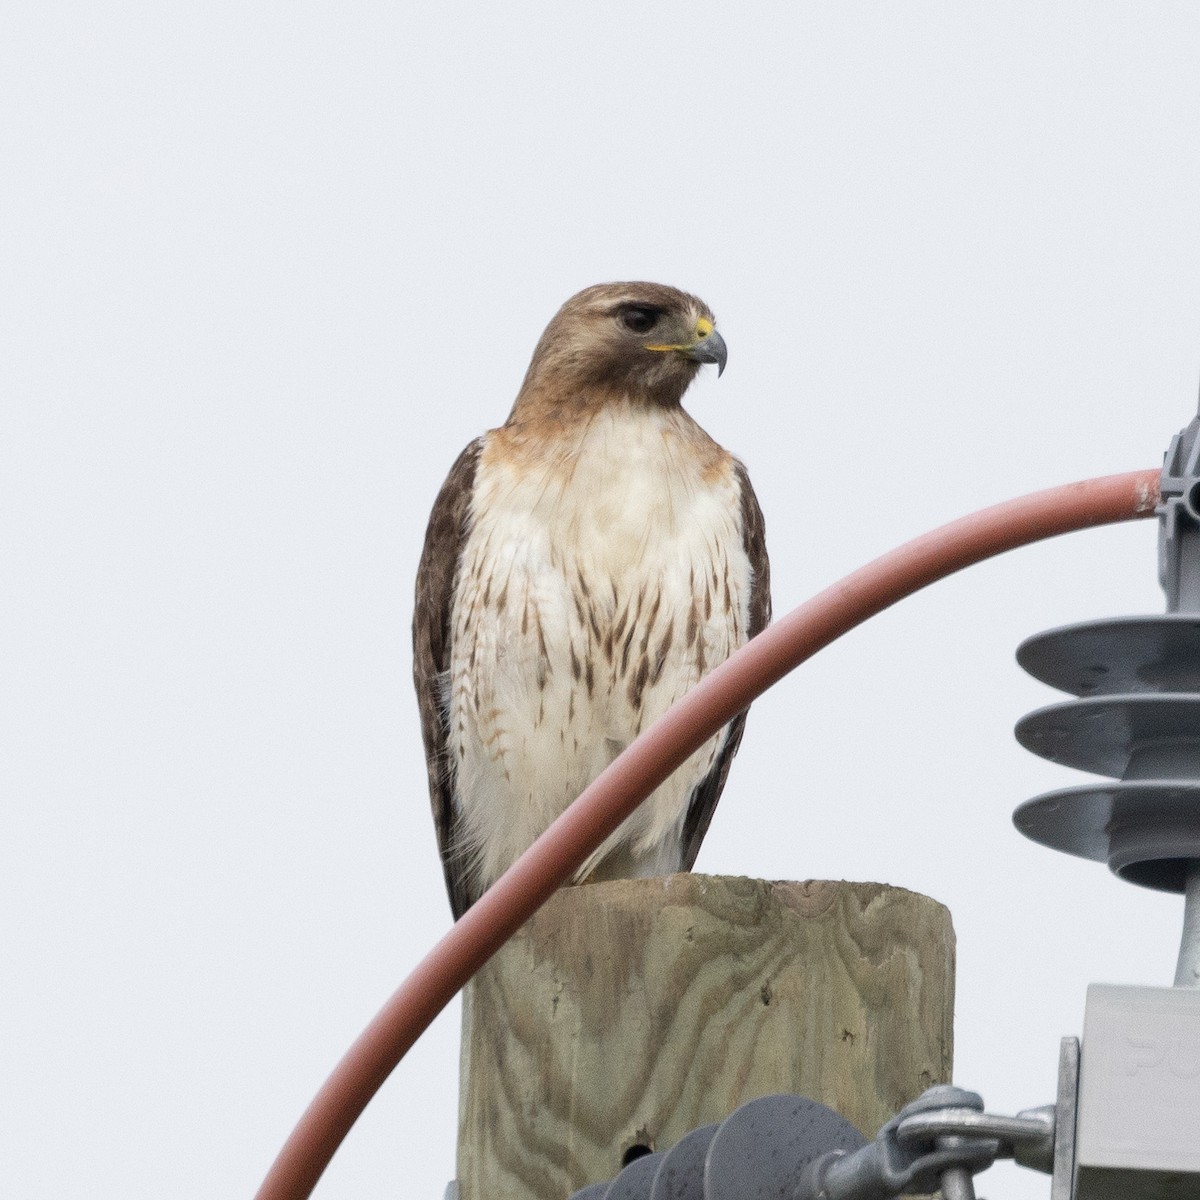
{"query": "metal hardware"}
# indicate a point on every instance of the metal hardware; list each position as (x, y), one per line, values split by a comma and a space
(939, 1142)
(791, 1148)
(1066, 1109)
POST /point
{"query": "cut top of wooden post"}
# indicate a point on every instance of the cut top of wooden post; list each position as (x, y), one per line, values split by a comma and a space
(625, 1014)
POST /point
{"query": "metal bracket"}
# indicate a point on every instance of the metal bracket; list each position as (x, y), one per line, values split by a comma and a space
(1062, 1183)
(938, 1142)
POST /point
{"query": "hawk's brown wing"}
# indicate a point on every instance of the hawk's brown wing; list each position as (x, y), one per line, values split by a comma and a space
(707, 792)
(436, 575)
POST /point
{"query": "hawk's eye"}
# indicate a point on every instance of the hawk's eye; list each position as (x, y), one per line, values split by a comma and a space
(638, 319)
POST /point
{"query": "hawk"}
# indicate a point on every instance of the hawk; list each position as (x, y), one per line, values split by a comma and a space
(585, 565)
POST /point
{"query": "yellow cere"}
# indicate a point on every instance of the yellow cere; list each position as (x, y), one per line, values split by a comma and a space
(704, 328)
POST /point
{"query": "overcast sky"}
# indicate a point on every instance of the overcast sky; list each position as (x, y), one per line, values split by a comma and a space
(266, 268)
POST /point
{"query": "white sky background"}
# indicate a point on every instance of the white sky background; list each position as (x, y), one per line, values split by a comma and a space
(268, 268)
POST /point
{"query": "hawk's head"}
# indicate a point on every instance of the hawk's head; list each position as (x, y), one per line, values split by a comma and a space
(641, 340)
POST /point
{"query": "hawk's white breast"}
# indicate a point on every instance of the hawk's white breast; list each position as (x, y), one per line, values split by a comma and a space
(603, 575)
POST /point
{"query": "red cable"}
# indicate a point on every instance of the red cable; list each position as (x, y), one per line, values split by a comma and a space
(715, 701)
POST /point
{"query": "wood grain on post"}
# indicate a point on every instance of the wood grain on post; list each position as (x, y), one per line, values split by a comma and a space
(625, 1014)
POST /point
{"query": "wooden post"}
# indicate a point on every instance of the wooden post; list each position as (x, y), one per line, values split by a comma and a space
(625, 1014)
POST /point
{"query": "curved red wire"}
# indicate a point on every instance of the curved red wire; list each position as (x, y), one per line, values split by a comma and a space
(716, 700)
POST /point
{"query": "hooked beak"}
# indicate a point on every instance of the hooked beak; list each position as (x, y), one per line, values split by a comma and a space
(710, 349)
(708, 346)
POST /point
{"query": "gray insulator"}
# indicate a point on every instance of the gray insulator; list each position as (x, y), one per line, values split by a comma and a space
(760, 1150)
(1137, 716)
(1137, 655)
(680, 1175)
(1146, 831)
(1130, 737)
(1137, 719)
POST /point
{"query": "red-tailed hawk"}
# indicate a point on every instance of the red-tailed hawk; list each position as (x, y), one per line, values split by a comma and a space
(585, 565)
